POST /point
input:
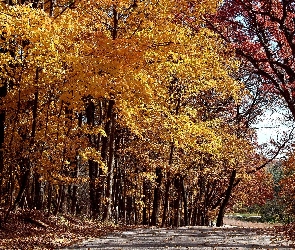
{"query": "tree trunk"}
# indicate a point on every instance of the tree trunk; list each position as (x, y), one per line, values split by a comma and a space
(110, 177)
(144, 210)
(59, 199)
(74, 195)
(90, 116)
(107, 155)
(177, 201)
(219, 222)
(166, 199)
(156, 201)
(3, 92)
(128, 209)
(184, 197)
(23, 184)
(37, 192)
(49, 198)
(92, 189)
(74, 199)
(168, 182)
(52, 4)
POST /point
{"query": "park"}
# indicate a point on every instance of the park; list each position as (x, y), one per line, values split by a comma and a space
(137, 124)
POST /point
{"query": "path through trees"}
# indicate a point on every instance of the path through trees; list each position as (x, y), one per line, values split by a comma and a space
(230, 237)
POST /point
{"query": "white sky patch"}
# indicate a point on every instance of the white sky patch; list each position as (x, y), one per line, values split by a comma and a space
(271, 126)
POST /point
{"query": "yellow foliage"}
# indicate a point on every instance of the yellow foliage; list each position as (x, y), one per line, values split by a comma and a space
(145, 57)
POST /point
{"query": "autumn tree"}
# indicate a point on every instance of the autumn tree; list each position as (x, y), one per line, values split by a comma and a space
(287, 191)
(112, 105)
(261, 33)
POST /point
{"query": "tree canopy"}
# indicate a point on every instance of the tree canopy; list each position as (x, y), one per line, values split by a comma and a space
(126, 110)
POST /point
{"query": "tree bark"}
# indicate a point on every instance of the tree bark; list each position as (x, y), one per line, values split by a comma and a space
(3, 92)
(92, 189)
(145, 200)
(49, 198)
(37, 192)
(184, 197)
(219, 222)
(93, 166)
(177, 202)
(168, 182)
(107, 154)
(60, 198)
(156, 200)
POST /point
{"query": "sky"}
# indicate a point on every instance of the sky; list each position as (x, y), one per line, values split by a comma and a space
(270, 127)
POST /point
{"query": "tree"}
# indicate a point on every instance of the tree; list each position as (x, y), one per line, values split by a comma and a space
(112, 105)
(261, 32)
(287, 190)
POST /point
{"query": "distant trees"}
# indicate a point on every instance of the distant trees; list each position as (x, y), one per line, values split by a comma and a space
(270, 193)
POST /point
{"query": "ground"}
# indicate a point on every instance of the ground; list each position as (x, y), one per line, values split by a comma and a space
(36, 230)
(256, 236)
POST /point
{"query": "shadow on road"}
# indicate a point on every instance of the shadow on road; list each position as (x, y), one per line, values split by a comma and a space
(189, 238)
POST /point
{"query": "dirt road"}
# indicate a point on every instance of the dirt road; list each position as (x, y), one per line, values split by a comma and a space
(228, 237)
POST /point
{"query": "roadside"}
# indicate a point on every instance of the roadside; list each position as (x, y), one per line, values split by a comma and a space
(36, 230)
(240, 223)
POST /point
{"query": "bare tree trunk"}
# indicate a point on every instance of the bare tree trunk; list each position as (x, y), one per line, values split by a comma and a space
(49, 198)
(25, 162)
(110, 176)
(219, 222)
(3, 92)
(93, 166)
(60, 198)
(156, 200)
(184, 197)
(92, 189)
(168, 183)
(166, 199)
(144, 211)
(107, 155)
(51, 8)
(177, 201)
(37, 192)
(23, 185)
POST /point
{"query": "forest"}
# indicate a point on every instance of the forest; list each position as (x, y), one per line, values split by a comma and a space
(143, 112)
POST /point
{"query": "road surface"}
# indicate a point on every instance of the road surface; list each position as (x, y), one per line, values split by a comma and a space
(229, 237)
